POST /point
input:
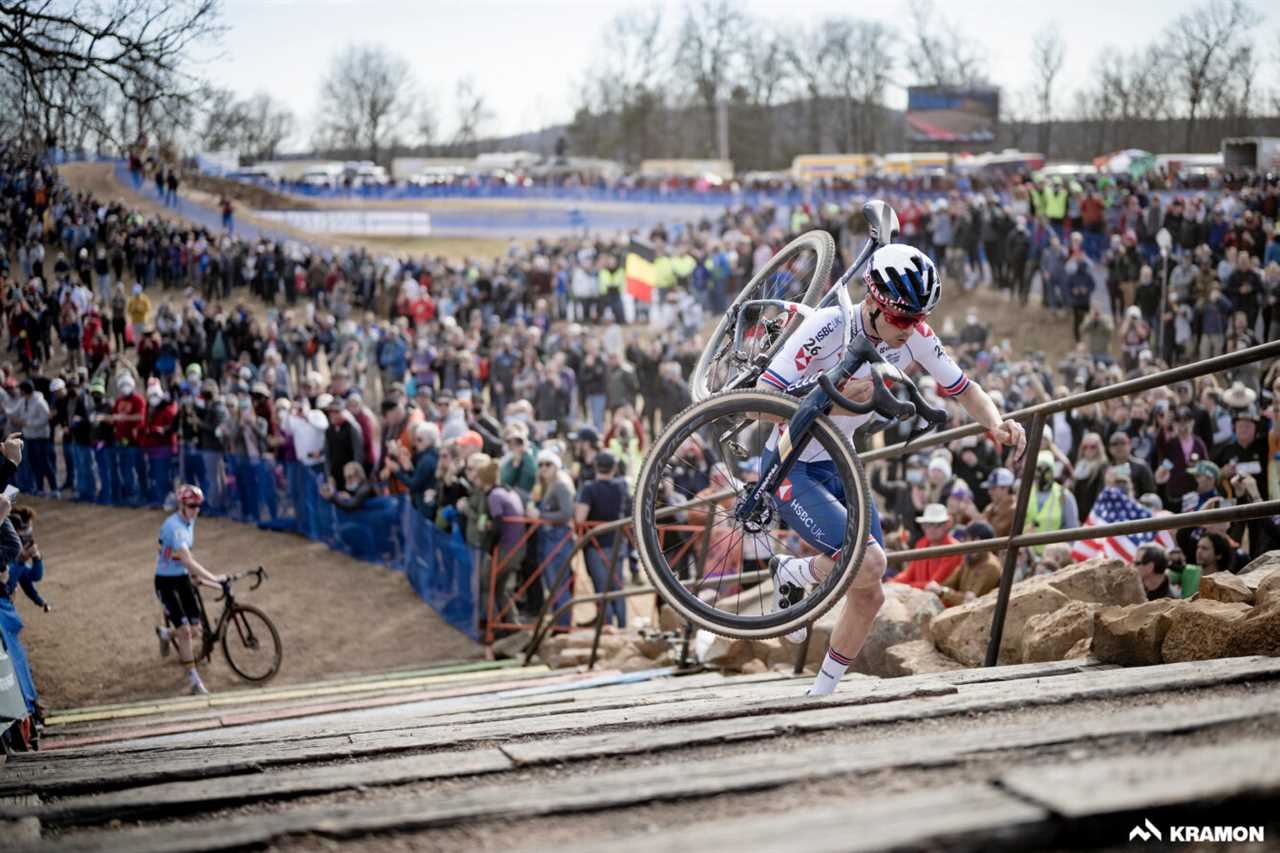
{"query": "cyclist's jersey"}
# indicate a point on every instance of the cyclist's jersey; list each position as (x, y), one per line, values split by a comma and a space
(818, 345)
(174, 535)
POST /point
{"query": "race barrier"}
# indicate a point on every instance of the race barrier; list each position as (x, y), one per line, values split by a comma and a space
(285, 496)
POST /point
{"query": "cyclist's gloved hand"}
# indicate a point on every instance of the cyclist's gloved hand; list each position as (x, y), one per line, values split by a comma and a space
(857, 390)
(1011, 434)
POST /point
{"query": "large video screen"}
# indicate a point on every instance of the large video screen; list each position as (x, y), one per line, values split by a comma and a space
(952, 114)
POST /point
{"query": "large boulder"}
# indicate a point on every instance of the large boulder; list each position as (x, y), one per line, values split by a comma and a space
(905, 616)
(1267, 587)
(962, 633)
(1227, 588)
(1053, 636)
(1200, 630)
(1268, 562)
(1133, 635)
(1258, 633)
(917, 657)
(1100, 580)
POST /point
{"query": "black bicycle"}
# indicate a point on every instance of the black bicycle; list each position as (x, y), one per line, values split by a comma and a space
(250, 642)
(706, 548)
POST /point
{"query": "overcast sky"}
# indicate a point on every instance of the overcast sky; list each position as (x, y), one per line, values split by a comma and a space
(525, 56)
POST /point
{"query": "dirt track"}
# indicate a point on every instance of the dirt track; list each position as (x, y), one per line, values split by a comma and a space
(335, 615)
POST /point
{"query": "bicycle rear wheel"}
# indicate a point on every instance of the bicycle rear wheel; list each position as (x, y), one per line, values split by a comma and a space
(712, 566)
(800, 272)
(251, 644)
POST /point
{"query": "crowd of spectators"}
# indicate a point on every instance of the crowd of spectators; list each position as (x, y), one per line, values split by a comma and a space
(531, 384)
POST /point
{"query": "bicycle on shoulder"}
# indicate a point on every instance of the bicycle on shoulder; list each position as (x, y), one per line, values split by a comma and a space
(753, 513)
(248, 638)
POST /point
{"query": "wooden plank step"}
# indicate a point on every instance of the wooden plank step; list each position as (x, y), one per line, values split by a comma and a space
(648, 693)
(1204, 774)
(106, 772)
(365, 678)
(211, 794)
(672, 781)
(284, 693)
(954, 817)
(414, 715)
(24, 829)
(658, 727)
(116, 734)
(432, 706)
(818, 715)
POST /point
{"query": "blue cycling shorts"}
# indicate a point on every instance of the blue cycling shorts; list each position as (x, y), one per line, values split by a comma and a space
(812, 503)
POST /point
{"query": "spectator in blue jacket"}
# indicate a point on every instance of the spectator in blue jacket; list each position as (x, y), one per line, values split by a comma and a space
(393, 357)
(25, 571)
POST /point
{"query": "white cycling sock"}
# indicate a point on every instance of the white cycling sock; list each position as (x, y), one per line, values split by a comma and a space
(829, 674)
(797, 571)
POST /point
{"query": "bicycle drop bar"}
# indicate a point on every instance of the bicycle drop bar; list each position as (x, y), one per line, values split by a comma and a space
(883, 401)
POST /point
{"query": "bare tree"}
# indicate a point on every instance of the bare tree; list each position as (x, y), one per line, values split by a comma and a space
(1046, 58)
(705, 54)
(267, 123)
(473, 115)
(761, 83)
(364, 98)
(1017, 116)
(1204, 43)
(862, 57)
(947, 56)
(91, 63)
(811, 71)
(222, 121)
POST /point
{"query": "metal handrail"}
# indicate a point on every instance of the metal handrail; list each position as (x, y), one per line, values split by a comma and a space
(1172, 521)
(1038, 415)
(1230, 360)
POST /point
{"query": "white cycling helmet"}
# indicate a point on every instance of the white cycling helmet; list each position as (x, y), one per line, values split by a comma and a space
(903, 280)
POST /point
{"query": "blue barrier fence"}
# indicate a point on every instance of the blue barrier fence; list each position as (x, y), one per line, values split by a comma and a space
(281, 496)
(589, 195)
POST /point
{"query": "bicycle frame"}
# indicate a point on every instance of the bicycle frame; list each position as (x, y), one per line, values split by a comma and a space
(749, 377)
(776, 463)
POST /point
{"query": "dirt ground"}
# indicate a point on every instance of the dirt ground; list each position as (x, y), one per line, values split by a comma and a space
(335, 614)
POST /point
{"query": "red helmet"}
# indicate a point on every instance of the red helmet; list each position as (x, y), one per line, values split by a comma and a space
(190, 495)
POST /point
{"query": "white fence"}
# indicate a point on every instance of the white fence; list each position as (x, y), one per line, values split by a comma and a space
(412, 223)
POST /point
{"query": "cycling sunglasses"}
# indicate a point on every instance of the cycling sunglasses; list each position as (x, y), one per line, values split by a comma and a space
(901, 321)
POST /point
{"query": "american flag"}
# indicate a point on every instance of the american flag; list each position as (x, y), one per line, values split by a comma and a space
(1114, 506)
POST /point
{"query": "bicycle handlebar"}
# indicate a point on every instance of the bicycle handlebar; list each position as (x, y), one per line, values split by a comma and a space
(259, 574)
(883, 401)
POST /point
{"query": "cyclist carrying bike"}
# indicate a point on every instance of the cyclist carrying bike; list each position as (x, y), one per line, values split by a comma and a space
(903, 287)
(175, 568)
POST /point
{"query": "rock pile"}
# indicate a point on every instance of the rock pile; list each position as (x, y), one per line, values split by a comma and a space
(1230, 616)
(1095, 608)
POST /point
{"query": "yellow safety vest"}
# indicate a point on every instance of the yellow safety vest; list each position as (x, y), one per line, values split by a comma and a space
(1044, 518)
(663, 274)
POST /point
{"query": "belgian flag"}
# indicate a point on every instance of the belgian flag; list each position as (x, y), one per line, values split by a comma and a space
(640, 273)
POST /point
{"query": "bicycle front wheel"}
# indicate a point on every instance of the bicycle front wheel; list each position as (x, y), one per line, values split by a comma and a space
(800, 272)
(710, 561)
(251, 644)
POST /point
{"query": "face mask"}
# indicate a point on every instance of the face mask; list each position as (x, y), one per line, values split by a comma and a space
(915, 477)
(1045, 477)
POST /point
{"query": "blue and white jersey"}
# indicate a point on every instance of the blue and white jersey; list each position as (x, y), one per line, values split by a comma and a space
(175, 534)
(818, 345)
